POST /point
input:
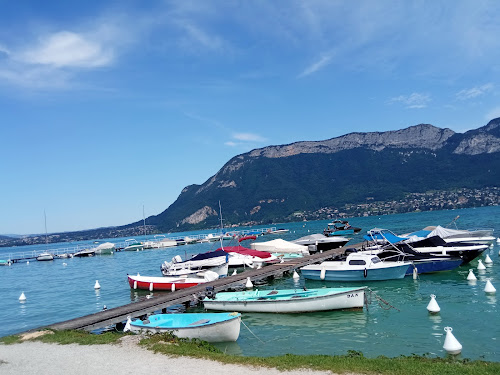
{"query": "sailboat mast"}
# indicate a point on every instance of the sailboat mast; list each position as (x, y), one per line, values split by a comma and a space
(143, 220)
(46, 237)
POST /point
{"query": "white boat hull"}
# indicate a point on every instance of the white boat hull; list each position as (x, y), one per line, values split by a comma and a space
(219, 332)
(346, 300)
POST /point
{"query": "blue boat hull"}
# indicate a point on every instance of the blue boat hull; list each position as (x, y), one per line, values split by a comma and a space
(357, 275)
(430, 266)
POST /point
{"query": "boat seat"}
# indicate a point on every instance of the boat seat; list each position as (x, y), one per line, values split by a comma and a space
(201, 321)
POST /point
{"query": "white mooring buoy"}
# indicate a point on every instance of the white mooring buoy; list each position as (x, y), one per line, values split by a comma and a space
(480, 265)
(127, 325)
(451, 344)
(97, 285)
(28, 262)
(22, 297)
(487, 259)
(471, 276)
(295, 275)
(489, 288)
(249, 284)
(433, 306)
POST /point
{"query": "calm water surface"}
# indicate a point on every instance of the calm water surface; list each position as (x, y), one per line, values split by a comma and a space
(64, 289)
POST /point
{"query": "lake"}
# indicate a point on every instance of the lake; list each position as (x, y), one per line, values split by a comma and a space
(64, 289)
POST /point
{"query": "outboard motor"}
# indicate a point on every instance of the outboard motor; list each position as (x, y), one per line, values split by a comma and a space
(210, 292)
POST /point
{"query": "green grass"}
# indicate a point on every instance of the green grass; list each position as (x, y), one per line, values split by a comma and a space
(69, 337)
(8, 340)
(352, 362)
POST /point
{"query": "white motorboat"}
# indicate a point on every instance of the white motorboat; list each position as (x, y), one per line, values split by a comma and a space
(133, 245)
(216, 261)
(45, 256)
(280, 246)
(320, 242)
(356, 267)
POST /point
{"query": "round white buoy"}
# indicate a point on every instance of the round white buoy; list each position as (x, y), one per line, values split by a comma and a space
(234, 273)
(451, 344)
(172, 288)
(22, 297)
(97, 285)
(487, 259)
(433, 306)
(480, 265)
(135, 284)
(489, 288)
(249, 283)
(498, 240)
(28, 262)
(127, 325)
(65, 264)
(295, 275)
(471, 275)
(150, 287)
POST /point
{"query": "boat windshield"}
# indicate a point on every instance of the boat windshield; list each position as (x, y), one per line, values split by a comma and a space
(376, 260)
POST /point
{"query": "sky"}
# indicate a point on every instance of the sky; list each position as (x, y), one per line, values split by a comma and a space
(108, 109)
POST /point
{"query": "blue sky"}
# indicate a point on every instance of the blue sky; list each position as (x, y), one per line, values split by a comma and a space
(106, 107)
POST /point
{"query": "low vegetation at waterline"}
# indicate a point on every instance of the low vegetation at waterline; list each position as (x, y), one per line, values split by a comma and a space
(353, 362)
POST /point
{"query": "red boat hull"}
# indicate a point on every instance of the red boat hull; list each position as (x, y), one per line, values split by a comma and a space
(167, 285)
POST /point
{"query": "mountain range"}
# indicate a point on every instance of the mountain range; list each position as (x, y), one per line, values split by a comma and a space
(283, 182)
(274, 183)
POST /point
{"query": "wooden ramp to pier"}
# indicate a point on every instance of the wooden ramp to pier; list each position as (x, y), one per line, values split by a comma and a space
(162, 301)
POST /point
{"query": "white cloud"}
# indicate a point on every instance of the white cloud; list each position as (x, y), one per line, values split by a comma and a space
(248, 137)
(414, 100)
(474, 92)
(231, 144)
(68, 49)
(318, 65)
(493, 113)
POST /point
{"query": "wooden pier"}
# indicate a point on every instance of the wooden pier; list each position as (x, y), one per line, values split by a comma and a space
(184, 296)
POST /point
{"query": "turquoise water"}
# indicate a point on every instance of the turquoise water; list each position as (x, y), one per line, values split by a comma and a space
(57, 292)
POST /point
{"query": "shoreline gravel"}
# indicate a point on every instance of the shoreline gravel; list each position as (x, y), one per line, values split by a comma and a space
(126, 357)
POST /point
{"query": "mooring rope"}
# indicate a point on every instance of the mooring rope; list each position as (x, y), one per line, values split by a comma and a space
(381, 301)
(249, 330)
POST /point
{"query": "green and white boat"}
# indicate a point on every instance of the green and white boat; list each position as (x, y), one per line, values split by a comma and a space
(287, 300)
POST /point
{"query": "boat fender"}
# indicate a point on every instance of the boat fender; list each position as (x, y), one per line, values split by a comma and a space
(365, 272)
(150, 287)
(322, 273)
(135, 284)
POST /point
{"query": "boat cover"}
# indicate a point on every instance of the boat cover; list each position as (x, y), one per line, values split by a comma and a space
(320, 238)
(246, 251)
(392, 238)
(280, 246)
(209, 255)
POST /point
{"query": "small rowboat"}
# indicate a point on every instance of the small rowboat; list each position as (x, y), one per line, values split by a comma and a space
(211, 327)
(170, 283)
(288, 300)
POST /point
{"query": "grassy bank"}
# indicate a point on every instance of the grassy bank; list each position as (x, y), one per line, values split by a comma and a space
(352, 362)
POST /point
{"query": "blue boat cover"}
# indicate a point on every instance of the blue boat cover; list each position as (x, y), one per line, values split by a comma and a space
(387, 236)
(211, 254)
(420, 233)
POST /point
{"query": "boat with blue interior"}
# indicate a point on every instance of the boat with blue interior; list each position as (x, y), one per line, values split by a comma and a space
(210, 327)
(340, 228)
(286, 300)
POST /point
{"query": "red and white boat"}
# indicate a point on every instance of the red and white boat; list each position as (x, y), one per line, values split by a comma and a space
(240, 256)
(152, 283)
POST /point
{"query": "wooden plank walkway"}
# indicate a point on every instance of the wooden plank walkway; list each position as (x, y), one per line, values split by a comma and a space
(162, 301)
